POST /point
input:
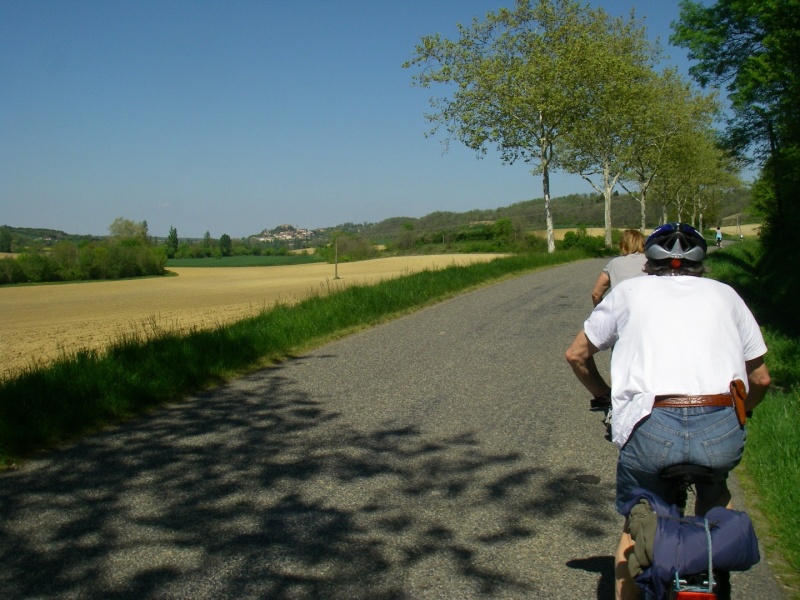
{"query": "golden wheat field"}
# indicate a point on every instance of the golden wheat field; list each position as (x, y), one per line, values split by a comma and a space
(39, 323)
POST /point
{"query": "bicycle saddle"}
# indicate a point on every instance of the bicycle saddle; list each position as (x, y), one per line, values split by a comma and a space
(687, 473)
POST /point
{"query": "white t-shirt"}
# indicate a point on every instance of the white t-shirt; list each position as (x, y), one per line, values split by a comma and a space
(671, 335)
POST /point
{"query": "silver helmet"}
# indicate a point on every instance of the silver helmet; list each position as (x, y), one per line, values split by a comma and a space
(676, 241)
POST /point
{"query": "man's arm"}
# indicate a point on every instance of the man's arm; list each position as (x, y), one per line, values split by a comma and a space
(580, 356)
(759, 379)
(600, 288)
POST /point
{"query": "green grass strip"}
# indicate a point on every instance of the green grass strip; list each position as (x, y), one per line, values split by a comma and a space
(770, 469)
(82, 392)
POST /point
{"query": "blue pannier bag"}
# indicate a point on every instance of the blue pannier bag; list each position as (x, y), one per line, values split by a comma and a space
(681, 544)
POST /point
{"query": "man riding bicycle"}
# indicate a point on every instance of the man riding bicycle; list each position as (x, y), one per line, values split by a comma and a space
(674, 334)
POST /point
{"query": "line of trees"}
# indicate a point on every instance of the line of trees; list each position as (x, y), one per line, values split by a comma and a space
(224, 246)
(127, 252)
(561, 85)
(752, 50)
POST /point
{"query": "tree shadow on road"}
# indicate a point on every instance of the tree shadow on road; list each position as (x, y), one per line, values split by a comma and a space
(257, 490)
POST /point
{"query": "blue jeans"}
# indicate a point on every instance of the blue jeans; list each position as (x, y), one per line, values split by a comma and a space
(709, 436)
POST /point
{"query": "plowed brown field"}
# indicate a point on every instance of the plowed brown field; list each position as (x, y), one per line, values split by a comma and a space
(40, 323)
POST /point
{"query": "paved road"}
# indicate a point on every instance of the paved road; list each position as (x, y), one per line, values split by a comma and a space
(447, 454)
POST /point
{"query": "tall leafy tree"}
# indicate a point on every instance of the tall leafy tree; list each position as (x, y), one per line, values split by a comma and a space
(123, 228)
(5, 239)
(668, 114)
(172, 242)
(712, 175)
(513, 82)
(752, 48)
(616, 72)
(225, 245)
(694, 176)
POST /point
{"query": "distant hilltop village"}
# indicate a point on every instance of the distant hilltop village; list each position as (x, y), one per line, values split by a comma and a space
(287, 233)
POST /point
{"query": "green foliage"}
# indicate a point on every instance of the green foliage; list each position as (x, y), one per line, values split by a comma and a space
(594, 245)
(55, 256)
(532, 244)
(753, 48)
(772, 462)
(776, 196)
(669, 119)
(126, 229)
(772, 459)
(38, 267)
(109, 259)
(348, 248)
(187, 250)
(524, 79)
(225, 245)
(172, 242)
(501, 236)
(503, 230)
(32, 238)
(569, 211)
(5, 239)
(749, 268)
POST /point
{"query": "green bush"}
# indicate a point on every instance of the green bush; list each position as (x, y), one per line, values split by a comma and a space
(10, 271)
(348, 248)
(772, 458)
(110, 259)
(581, 240)
(38, 267)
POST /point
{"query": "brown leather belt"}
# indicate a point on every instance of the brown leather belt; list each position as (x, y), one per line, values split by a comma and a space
(677, 401)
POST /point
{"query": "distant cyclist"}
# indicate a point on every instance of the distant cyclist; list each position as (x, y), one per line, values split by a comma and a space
(678, 335)
(718, 237)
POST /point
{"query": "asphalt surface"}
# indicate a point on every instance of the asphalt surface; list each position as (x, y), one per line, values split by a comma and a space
(447, 454)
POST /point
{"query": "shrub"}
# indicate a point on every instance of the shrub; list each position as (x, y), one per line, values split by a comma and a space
(38, 267)
(110, 259)
(349, 248)
(594, 245)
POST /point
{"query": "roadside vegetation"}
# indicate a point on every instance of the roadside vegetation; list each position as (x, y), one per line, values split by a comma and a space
(770, 469)
(127, 252)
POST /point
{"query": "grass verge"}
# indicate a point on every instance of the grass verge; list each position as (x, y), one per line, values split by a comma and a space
(42, 407)
(770, 469)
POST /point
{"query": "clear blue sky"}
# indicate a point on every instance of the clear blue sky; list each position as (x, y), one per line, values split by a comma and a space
(232, 116)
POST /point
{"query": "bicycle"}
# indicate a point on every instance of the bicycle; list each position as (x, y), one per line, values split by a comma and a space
(603, 403)
(710, 584)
